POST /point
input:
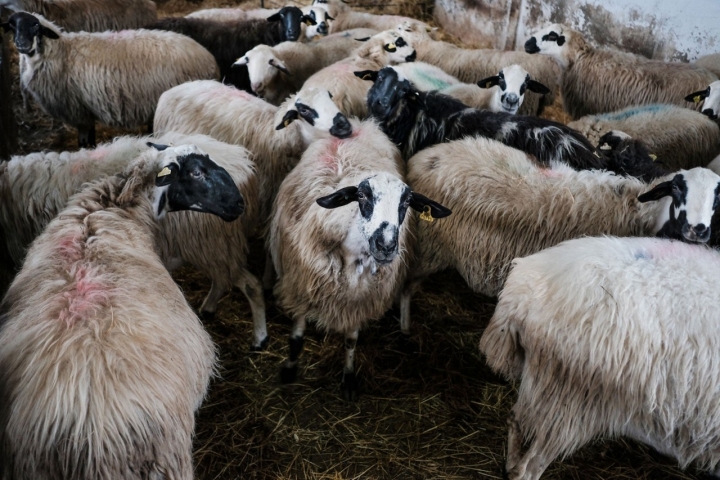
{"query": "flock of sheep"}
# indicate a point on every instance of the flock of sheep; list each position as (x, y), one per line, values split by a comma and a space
(368, 155)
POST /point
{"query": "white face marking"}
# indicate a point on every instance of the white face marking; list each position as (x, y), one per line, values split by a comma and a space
(701, 185)
(550, 46)
(318, 102)
(712, 102)
(510, 99)
(260, 71)
(391, 38)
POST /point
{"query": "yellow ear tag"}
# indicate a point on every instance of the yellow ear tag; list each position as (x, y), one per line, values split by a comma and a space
(697, 98)
(287, 122)
(164, 172)
(488, 85)
(426, 215)
(653, 156)
(367, 76)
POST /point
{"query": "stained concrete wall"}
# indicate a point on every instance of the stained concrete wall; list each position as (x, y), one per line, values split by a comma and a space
(661, 29)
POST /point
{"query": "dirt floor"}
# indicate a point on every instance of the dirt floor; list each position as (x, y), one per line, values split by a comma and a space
(428, 408)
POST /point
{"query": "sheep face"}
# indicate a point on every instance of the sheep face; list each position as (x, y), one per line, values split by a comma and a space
(29, 33)
(398, 50)
(710, 98)
(319, 113)
(690, 200)
(512, 82)
(383, 201)
(291, 18)
(263, 66)
(322, 22)
(188, 180)
(550, 41)
(389, 89)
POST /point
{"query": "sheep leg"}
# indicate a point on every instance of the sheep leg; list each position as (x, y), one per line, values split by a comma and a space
(86, 136)
(542, 451)
(269, 273)
(514, 445)
(252, 288)
(410, 288)
(349, 382)
(209, 305)
(289, 370)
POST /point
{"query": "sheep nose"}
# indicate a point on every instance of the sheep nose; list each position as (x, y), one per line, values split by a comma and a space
(531, 46)
(385, 247)
(341, 126)
(322, 28)
(511, 99)
(699, 229)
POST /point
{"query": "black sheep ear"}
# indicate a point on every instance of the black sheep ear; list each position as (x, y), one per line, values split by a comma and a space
(364, 39)
(7, 27)
(537, 87)
(340, 198)
(367, 75)
(48, 33)
(489, 82)
(561, 40)
(308, 20)
(280, 67)
(421, 203)
(274, 18)
(697, 96)
(328, 17)
(661, 190)
(167, 175)
(289, 117)
(157, 146)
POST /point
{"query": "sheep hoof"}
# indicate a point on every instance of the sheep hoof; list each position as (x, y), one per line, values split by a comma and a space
(349, 387)
(263, 345)
(288, 374)
(207, 316)
(408, 345)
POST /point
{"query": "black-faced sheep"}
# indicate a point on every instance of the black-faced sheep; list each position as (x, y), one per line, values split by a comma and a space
(598, 81)
(102, 361)
(278, 72)
(89, 15)
(680, 137)
(228, 40)
(608, 337)
(344, 266)
(113, 77)
(415, 120)
(505, 206)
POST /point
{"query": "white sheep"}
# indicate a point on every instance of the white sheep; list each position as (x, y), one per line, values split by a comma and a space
(35, 187)
(233, 14)
(102, 361)
(278, 72)
(89, 15)
(472, 65)
(342, 267)
(349, 91)
(605, 80)
(113, 77)
(710, 62)
(679, 137)
(505, 206)
(610, 336)
(710, 98)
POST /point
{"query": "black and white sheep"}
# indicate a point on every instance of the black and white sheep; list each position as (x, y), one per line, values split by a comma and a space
(228, 40)
(113, 77)
(102, 361)
(415, 120)
(505, 206)
(605, 80)
(342, 267)
(607, 337)
(710, 98)
(89, 15)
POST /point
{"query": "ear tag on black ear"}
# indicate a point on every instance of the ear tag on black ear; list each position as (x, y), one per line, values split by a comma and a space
(287, 122)
(367, 76)
(697, 98)
(605, 146)
(426, 215)
(488, 85)
(164, 172)
(653, 156)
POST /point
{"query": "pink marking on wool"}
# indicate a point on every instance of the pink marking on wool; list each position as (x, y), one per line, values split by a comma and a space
(241, 93)
(87, 295)
(550, 173)
(70, 248)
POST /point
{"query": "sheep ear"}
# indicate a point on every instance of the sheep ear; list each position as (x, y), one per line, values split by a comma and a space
(537, 87)
(697, 96)
(661, 190)
(308, 20)
(157, 146)
(241, 61)
(421, 203)
(167, 175)
(7, 27)
(328, 17)
(274, 18)
(48, 33)
(489, 81)
(342, 197)
(277, 64)
(364, 39)
(561, 40)
(367, 75)
(290, 116)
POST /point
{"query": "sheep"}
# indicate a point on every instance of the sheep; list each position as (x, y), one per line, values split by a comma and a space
(277, 72)
(270, 133)
(228, 40)
(624, 155)
(233, 14)
(89, 15)
(710, 62)
(503, 92)
(681, 137)
(415, 120)
(610, 336)
(34, 188)
(349, 92)
(342, 268)
(113, 77)
(599, 81)
(710, 98)
(322, 19)
(505, 205)
(102, 361)
(349, 19)
(470, 65)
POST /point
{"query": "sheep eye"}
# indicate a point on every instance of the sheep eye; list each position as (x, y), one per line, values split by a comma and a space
(196, 174)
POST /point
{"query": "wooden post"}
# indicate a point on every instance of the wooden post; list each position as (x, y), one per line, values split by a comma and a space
(8, 127)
